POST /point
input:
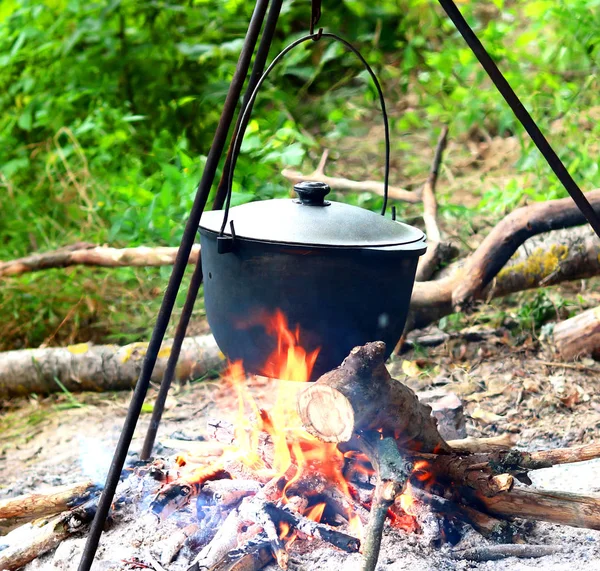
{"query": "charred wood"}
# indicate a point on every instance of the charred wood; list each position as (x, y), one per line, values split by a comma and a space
(497, 552)
(22, 509)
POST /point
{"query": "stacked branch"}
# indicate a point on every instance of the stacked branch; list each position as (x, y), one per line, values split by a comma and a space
(360, 404)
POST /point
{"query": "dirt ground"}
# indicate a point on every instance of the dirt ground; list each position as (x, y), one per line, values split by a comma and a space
(505, 385)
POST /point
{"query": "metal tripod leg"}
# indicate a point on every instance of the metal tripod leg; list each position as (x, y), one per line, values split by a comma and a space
(189, 236)
(196, 281)
(522, 114)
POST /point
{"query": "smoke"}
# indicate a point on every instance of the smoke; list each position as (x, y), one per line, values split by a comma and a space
(95, 458)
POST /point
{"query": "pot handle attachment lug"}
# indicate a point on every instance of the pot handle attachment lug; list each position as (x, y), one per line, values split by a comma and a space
(226, 244)
(312, 196)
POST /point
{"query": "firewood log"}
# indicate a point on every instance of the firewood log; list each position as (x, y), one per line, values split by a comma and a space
(22, 509)
(543, 505)
(45, 538)
(578, 336)
(360, 395)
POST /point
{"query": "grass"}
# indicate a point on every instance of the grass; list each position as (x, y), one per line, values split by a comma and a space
(81, 158)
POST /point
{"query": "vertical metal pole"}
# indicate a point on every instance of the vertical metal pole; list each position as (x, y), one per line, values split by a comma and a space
(162, 321)
(259, 66)
(196, 281)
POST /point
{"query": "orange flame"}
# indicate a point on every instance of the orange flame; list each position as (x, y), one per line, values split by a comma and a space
(293, 446)
(408, 502)
(316, 512)
(289, 361)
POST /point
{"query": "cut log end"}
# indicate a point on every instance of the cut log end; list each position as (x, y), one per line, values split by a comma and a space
(335, 426)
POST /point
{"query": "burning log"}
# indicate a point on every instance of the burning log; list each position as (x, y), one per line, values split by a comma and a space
(22, 509)
(361, 395)
(252, 556)
(227, 493)
(486, 525)
(257, 525)
(360, 405)
(312, 528)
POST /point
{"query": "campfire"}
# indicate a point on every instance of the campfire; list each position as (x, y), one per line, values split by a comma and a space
(330, 463)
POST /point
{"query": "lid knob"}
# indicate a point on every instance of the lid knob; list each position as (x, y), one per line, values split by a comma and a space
(312, 193)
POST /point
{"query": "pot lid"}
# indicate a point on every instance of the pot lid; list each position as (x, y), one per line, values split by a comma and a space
(312, 221)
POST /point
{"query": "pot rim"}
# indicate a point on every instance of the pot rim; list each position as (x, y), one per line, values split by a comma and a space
(415, 248)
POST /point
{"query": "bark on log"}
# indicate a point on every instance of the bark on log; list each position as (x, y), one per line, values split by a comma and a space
(547, 260)
(22, 509)
(91, 255)
(87, 367)
(502, 242)
(544, 505)
(477, 445)
(578, 336)
(360, 395)
(44, 539)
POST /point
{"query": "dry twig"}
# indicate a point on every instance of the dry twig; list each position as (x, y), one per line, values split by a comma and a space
(337, 183)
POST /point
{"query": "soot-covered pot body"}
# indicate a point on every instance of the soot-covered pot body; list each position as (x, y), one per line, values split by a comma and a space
(339, 294)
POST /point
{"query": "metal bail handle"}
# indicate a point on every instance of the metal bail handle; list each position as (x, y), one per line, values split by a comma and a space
(238, 139)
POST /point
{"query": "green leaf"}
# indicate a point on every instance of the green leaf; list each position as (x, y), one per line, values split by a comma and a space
(25, 121)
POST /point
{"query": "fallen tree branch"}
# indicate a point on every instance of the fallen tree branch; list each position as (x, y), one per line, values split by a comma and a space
(550, 259)
(87, 367)
(429, 261)
(90, 255)
(337, 183)
(502, 242)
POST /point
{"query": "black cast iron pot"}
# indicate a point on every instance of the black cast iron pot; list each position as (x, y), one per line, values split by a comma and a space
(343, 274)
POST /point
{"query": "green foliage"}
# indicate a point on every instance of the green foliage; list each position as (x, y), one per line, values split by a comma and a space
(107, 110)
